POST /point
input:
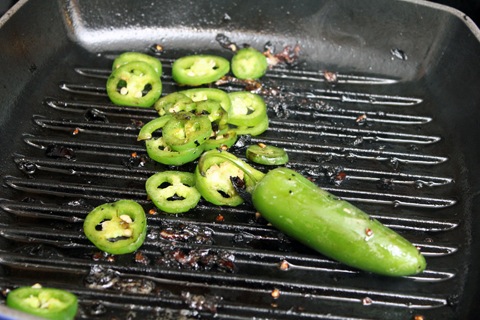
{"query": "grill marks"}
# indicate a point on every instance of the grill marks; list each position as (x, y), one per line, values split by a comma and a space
(352, 133)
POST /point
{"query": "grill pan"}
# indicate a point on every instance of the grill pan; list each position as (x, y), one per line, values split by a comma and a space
(400, 125)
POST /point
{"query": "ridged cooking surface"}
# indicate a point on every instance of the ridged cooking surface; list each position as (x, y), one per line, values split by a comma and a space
(374, 149)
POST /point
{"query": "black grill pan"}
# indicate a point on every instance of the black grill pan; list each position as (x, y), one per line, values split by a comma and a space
(396, 134)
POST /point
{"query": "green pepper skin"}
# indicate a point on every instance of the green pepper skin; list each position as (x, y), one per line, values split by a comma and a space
(47, 303)
(333, 227)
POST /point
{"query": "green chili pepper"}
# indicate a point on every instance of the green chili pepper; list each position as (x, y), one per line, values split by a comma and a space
(266, 154)
(161, 152)
(186, 131)
(212, 180)
(255, 130)
(147, 130)
(134, 84)
(173, 191)
(221, 140)
(47, 303)
(212, 94)
(213, 110)
(117, 228)
(318, 219)
(128, 57)
(174, 102)
(196, 70)
(248, 109)
(249, 64)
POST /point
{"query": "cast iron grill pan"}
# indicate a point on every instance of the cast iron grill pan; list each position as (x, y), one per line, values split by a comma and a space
(82, 154)
(372, 140)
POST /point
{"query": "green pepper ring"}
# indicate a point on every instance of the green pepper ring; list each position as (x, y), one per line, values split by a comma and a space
(186, 131)
(248, 109)
(255, 130)
(266, 155)
(213, 94)
(226, 139)
(116, 228)
(147, 129)
(196, 70)
(213, 110)
(128, 57)
(126, 86)
(174, 102)
(249, 63)
(180, 194)
(159, 151)
(213, 182)
(61, 304)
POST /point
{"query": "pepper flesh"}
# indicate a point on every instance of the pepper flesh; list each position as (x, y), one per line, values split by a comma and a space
(318, 219)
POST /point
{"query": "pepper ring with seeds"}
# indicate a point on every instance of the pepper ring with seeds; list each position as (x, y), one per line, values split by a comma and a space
(116, 228)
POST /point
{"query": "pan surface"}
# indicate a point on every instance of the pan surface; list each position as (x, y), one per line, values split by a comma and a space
(399, 125)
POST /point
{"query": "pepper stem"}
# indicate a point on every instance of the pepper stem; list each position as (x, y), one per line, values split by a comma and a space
(254, 174)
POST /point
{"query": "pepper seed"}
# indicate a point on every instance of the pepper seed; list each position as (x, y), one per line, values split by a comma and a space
(126, 218)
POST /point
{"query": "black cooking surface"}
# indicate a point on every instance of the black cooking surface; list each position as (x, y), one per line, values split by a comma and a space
(388, 144)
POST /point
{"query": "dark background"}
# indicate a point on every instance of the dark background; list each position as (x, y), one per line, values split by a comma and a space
(470, 7)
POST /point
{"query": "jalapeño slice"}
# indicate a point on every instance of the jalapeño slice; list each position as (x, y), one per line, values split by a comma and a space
(248, 109)
(249, 64)
(196, 70)
(117, 228)
(186, 130)
(47, 303)
(134, 84)
(173, 191)
(266, 154)
(128, 57)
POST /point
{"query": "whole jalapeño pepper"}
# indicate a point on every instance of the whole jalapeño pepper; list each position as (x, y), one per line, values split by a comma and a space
(318, 219)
